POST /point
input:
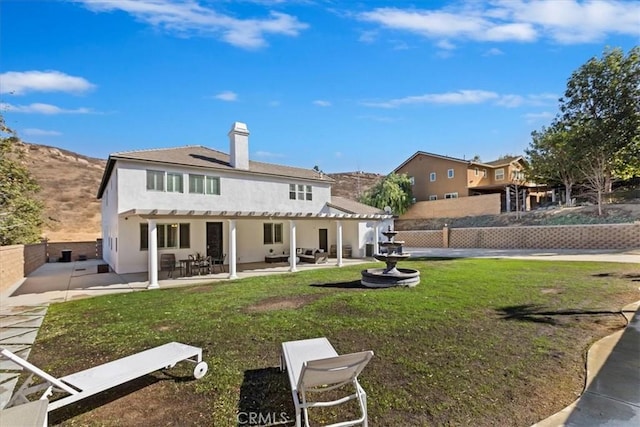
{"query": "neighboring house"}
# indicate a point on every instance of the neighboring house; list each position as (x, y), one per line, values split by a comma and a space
(436, 177)
(194, 199)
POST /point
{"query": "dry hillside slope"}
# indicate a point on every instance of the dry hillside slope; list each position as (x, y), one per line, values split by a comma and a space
(69, 184)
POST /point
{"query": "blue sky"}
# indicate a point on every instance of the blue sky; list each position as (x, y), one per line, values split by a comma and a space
(344, 85)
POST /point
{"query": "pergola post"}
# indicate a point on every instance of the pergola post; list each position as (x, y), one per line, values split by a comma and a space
(153, 254)
(232, 249)
(339, 243)
(292, 245)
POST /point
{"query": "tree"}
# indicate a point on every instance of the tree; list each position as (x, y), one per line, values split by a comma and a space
(20, 212)
(601, 106)
(594, 171)
(552, 159)
(393, 191)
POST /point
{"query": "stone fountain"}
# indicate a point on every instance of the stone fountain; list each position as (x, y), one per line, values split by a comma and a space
(391, 275)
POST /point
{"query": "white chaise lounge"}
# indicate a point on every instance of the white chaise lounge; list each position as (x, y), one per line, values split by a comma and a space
(103, 377)
(313, 365)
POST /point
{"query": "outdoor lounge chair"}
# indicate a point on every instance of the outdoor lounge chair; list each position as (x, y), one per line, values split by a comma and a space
(103, 377)
(314, 366)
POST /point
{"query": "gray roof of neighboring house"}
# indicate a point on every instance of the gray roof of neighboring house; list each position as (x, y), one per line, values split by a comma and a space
(203, 157)
(353, 207)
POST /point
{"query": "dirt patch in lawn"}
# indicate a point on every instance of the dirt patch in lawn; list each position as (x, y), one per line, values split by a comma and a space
(156, 399)
(281, 303)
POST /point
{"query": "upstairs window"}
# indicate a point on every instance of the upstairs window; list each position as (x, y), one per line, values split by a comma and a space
(272, 233)
(451, 196)
(155, 180)
(202, 184)
(476, 172)
(412, 180)
(484, 173)
(174, 182)
(300, 192)
(432, 176)
(450, 173)
(499, 174)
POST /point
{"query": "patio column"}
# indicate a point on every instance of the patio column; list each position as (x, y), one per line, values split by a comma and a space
(508, 198)
(232, 249)
(292, 245)
(376, 232)
(339, 243)
(153, 254)
(526, 206)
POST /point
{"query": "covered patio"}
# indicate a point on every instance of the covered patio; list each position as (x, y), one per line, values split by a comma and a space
(249, 250)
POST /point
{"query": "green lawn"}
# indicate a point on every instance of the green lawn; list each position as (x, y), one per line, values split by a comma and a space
(477, 342)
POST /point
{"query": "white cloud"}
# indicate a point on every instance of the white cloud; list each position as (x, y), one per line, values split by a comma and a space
(38, 108)
(22, 82)
(381, 119)
(566, 21)
(227, 95)
(494, 51)
(446, 45)
(190, 17)
(40, 132)
(368, 36)
(459, 97)
(321, 103)
(466, 97)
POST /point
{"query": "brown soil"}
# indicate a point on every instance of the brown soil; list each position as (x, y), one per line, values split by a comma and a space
(281, 303)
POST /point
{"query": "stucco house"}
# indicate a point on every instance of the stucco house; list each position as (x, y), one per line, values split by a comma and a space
(195, 199)
(437, 177)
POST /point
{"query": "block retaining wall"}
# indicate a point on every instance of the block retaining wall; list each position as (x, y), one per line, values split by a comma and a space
(18, 261)
(596, 236)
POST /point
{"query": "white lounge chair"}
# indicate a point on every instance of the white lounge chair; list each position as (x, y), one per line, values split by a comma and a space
(103, 377)
(313, 366)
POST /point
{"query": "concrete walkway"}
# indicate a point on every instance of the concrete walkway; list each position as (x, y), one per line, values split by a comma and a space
(611, 396)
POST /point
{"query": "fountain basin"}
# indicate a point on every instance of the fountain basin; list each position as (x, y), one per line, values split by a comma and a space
(384, 278)
(393, 257)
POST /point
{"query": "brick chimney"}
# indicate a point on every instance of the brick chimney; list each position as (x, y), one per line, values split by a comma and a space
(239, 146)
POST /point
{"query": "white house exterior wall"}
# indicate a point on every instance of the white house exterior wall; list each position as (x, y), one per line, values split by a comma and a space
(109, 221)
(238, 192)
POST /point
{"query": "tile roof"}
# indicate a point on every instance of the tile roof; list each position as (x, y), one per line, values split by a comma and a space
(353, 207)
(203, 157)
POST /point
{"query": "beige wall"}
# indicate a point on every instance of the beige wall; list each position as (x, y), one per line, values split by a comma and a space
(88, 249)
(488, 204)
(421, 166)
(18, 261)
(490, 180)
(596, 236)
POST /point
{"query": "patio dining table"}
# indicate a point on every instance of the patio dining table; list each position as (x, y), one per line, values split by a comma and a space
(186, 266)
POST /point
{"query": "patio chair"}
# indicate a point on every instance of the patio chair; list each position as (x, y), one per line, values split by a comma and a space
(314, 366)
(168, 263)
(103, 377)
(218, 260)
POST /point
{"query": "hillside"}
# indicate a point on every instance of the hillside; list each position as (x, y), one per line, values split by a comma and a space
(69, 184)
(352, 185)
